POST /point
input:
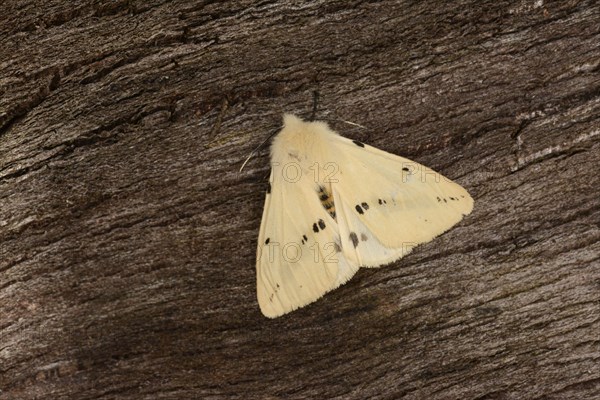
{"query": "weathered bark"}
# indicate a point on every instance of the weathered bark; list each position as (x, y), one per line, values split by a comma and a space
(128, 236)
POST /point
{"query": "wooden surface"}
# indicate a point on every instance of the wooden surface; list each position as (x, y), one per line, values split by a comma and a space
(127, 235)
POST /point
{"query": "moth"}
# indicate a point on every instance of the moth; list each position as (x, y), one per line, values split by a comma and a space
(335, 205)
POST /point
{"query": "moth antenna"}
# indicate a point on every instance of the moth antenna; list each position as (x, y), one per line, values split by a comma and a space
(315, 105)
(347, 122)
(353, 123)
(260, 146)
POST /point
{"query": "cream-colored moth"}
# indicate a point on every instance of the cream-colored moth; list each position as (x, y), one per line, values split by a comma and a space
(335, 205)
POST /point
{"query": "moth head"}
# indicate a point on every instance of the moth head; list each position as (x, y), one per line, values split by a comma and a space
(291, 121)
(293, 126)
(300, 140)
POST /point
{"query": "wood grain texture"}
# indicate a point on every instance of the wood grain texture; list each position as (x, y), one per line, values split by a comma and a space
(127, 235)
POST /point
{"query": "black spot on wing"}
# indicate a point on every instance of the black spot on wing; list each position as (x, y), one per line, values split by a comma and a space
(354, 239)
(359, 210)
(365, 206)
(315, 228)
(267, 241)
(305, 238)
(359, 144)
(321, 224)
